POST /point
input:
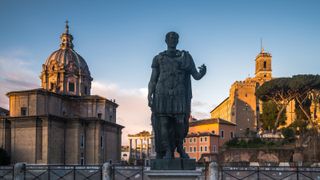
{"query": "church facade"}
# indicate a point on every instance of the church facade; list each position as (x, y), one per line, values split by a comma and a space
(61, 122)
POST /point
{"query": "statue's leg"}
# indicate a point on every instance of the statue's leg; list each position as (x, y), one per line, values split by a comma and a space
(166, 139)
(155, 127)
(157, 124)
(180, 130)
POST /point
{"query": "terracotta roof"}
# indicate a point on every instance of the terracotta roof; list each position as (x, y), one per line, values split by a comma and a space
(211, 121)
(201, 134)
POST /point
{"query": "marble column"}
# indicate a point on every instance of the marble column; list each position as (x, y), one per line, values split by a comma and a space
(141, 147)
(130, 148)
(148, 154)
(136, 148)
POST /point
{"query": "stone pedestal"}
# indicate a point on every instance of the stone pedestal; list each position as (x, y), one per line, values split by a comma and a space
(173, 164)
(165, 169)
(173, 174)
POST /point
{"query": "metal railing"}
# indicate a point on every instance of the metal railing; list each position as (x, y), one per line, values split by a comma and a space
(128, 172)
(6, 172)
(119, 172)
(269, 172)
(48, 172)
(53, 172)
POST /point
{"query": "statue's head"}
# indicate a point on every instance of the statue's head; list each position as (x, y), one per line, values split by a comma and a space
(172, 39)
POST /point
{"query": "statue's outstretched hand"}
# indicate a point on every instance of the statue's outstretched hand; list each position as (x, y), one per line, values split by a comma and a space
(203, 69)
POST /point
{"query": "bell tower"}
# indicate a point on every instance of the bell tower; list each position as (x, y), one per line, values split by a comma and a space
(263, 66)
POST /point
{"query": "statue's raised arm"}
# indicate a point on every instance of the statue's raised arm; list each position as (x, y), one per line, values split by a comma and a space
(194, 72)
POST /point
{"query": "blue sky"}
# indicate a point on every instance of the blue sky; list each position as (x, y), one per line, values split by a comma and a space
(118, 39)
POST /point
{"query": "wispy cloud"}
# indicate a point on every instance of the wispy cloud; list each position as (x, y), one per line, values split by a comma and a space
(199, 109)
(15, 74)
(133, 111)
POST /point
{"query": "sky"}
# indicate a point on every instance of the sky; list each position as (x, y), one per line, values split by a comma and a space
(118, 40)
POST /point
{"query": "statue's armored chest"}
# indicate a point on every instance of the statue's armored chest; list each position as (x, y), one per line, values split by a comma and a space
(171, 65)
(171, 75)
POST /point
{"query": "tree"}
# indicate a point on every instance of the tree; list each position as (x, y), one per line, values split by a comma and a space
(288, 134)
(283, 90)
(4, 157)
(304, 85)
(269, 115)
(279, 92)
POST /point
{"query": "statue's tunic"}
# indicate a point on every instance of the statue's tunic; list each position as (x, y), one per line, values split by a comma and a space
(173, 89)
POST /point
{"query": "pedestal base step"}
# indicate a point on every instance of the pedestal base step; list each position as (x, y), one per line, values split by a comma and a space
(173, 174)
(173, 164)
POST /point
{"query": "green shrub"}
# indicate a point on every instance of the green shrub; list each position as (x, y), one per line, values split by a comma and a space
(252, 143)
(288, 134)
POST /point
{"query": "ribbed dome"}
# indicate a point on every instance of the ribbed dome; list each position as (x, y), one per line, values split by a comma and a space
(66, 58)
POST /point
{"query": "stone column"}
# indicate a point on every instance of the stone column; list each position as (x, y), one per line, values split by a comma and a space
(213, 170)
(19, 169)
(136, 150)
(107, 171)
(130, 149)
(141, 147)
(148, 153)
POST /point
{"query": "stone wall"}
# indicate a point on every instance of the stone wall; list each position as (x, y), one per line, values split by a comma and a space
(256, 155)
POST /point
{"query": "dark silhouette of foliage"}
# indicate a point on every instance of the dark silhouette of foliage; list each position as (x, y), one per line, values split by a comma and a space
(288, 134)
(274, 89)
(4, 157)
(283, 90)
(252, 143)
(300, 126)
(269, 115)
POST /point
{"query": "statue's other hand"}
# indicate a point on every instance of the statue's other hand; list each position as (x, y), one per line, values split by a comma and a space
(203, 69)
(150, 100)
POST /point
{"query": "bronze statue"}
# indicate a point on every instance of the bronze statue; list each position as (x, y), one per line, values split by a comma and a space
(169, 96)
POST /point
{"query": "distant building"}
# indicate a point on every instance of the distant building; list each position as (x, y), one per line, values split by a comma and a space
(4, 112)
(242, 107)
(139, 145)
(206, 136)
(61, 123)
(125, 153)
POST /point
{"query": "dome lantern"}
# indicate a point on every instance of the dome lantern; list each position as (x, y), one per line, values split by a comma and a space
(66, 38)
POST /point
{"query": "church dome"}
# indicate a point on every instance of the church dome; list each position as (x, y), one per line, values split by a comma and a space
(65, 71)
(67, 59)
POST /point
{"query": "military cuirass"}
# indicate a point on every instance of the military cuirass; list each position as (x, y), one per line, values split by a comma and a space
(171, 90)
(171, 80)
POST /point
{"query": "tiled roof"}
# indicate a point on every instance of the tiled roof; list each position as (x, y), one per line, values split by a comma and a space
(211, 121)
(199, 134)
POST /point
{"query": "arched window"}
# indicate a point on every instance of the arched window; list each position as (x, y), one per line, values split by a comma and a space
(264, 64)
